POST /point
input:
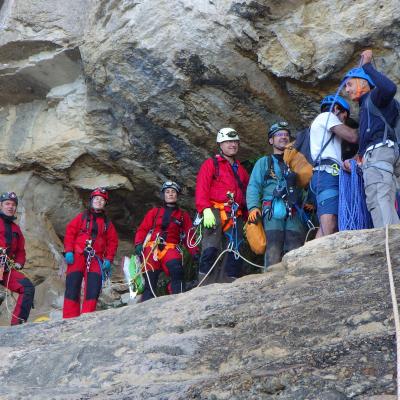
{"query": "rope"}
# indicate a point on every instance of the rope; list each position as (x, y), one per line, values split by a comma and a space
(353, 212)
(191, 241)
(395, 308)
(236, 253)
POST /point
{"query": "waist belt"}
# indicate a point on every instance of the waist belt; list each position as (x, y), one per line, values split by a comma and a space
(330, 166)
(159, 254)
(268, 203)
(388, 143)
(226, 221)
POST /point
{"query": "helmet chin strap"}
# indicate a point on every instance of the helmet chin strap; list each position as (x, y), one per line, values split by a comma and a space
(225, 155)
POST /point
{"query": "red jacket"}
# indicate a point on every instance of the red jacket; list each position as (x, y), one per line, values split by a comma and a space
(179, 223)
(84, 226)
(210, 187)
(10, 233)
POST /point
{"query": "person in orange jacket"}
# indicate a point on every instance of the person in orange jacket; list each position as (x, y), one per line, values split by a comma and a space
(90, 244)
(220, 189)
(12, 259)
(157, 241)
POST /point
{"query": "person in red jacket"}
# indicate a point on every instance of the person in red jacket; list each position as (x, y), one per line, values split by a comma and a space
(157, 240)
(90, 244)
(220, 190)
(12, 259)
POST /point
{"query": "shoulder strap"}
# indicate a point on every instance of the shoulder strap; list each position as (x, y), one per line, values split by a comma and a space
(269, 167)
(317, 159)
(106, 223)
(216, 167)
(371, 107)
(237, 177)
(155, 219)
(85, 217)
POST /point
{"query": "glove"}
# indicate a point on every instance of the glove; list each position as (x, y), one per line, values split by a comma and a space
(208, 218)
(18, 266)
(254, 214)
(138, 249)
(106, 267)
(69, 257)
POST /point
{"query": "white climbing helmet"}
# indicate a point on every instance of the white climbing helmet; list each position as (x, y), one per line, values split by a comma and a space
(226, 134)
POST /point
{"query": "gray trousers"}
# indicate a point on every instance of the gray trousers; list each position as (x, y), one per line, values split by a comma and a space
(381, 169)
(213, 243)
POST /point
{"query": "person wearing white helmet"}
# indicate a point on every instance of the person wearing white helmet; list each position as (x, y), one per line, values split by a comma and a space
(221, 184)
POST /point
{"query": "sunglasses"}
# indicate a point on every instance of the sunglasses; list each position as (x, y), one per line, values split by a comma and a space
(282, 134)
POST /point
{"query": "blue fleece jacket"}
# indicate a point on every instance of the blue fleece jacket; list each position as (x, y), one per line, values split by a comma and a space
(383, 97)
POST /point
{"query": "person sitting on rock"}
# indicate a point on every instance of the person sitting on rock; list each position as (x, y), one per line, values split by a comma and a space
(157, 242)
(12, 259)
(90, 244)
(326, 134)
(220, 190)
(272, 195)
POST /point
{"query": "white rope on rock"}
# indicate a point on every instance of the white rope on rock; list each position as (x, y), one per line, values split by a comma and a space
(395, 308)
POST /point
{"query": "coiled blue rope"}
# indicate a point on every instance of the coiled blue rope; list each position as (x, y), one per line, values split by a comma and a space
(353, 212)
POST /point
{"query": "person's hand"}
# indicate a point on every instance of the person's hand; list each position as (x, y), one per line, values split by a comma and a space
(18, 266)
(309, 207)
(138, 249)
(366, 56)
(69, 257)
(106, 267)
(208, 218)
(347, 165)
(254, 214)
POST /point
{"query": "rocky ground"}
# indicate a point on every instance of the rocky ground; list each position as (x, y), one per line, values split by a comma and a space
(317, 326)
(125, 94)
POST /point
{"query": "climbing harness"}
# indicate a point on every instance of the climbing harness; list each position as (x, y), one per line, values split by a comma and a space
(232, 233)
(89, 253)
(6, 264)
(395, 307)
(353, 212)
(3, 261)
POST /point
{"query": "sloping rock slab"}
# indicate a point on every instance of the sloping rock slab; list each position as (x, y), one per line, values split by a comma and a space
(317, 326)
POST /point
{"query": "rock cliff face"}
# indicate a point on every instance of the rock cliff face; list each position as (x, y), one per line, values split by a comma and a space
(127, 93)
(317, 326)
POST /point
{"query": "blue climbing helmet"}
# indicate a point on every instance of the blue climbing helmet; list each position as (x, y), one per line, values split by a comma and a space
(359, 73)
(332, 98)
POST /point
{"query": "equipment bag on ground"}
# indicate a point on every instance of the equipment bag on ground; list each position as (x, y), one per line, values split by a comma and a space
(256, 236)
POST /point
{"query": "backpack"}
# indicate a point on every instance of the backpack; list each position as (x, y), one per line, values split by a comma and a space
(216, 174)
(374, 110)
(297, 156)
(85, 217)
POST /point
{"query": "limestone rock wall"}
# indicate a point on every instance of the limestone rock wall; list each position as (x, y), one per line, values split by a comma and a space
(127, 93)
